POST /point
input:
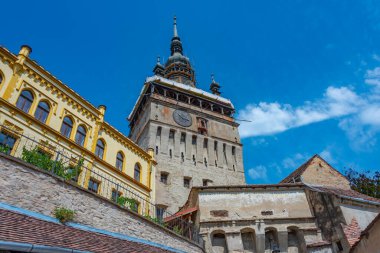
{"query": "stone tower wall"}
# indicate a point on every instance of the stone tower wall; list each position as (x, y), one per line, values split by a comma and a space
(186, 159)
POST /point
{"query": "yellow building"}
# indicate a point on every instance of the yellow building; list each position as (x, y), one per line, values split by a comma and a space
(37, 108)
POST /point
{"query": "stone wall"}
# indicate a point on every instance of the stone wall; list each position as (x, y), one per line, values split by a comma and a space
(319, 172)
(183, 159)
(30, 188)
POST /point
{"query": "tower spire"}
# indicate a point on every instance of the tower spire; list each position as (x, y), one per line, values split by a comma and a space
(175, 34)
(178, 66)
(176, 45)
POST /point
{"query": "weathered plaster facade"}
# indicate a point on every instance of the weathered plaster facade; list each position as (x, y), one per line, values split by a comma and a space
(261, 219)
(292, 217)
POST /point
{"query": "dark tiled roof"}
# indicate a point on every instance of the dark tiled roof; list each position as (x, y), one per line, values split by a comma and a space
(346, 193)
(298, 172)
(318, 244)
(16, 227)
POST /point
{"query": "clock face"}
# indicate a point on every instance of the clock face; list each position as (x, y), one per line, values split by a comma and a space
(182, 118)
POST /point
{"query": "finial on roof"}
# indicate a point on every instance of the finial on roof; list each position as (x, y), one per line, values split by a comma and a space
(158, 69)
(175, 27)
(212, 78)
(214, 87)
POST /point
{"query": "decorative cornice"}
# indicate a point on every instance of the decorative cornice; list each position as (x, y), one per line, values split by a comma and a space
(121, 138)
(45, 78)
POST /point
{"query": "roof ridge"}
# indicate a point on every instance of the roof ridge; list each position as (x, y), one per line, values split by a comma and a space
(303, 167)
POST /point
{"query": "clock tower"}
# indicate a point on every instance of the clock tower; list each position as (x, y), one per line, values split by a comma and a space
(192, 132)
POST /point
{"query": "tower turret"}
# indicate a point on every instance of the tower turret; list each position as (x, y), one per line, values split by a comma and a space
(214, 86)
(158, 69)
(178, 67)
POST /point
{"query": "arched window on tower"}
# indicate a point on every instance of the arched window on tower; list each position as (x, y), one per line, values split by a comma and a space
(67, 127)
(42, 111)
(25, 100)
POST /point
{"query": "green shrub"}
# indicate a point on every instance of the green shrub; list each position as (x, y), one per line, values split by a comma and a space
(155, 220)
(43, 161)
(128, 202)
(177, 230)
(37, 158)
(63, 214)
(4, 149)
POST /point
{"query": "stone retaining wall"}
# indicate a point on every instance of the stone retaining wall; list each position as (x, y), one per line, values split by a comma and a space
(30, 188)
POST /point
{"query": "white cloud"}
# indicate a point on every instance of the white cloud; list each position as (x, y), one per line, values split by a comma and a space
(376, 57)
(362, 137)
(272, 118)
(371, 115)
(326, 154)
(258, 172)
(372, 77)
(358, 114)
(293, 162)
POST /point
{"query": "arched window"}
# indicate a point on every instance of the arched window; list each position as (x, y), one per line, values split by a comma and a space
(1, 78)
(219, 243)
(42, 111)
(99, 151)
(271, 240)
(80, 136)
(296, 240)
(137, 172)
(119, 161)
(25, 100)
(248, 239)
(67, 127)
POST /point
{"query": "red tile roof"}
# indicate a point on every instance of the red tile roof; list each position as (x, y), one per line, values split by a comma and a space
(352, 232)
(365, 232)
(16, 227)
(181, 213)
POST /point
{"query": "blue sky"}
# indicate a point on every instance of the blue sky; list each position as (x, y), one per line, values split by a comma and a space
(306, 73)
